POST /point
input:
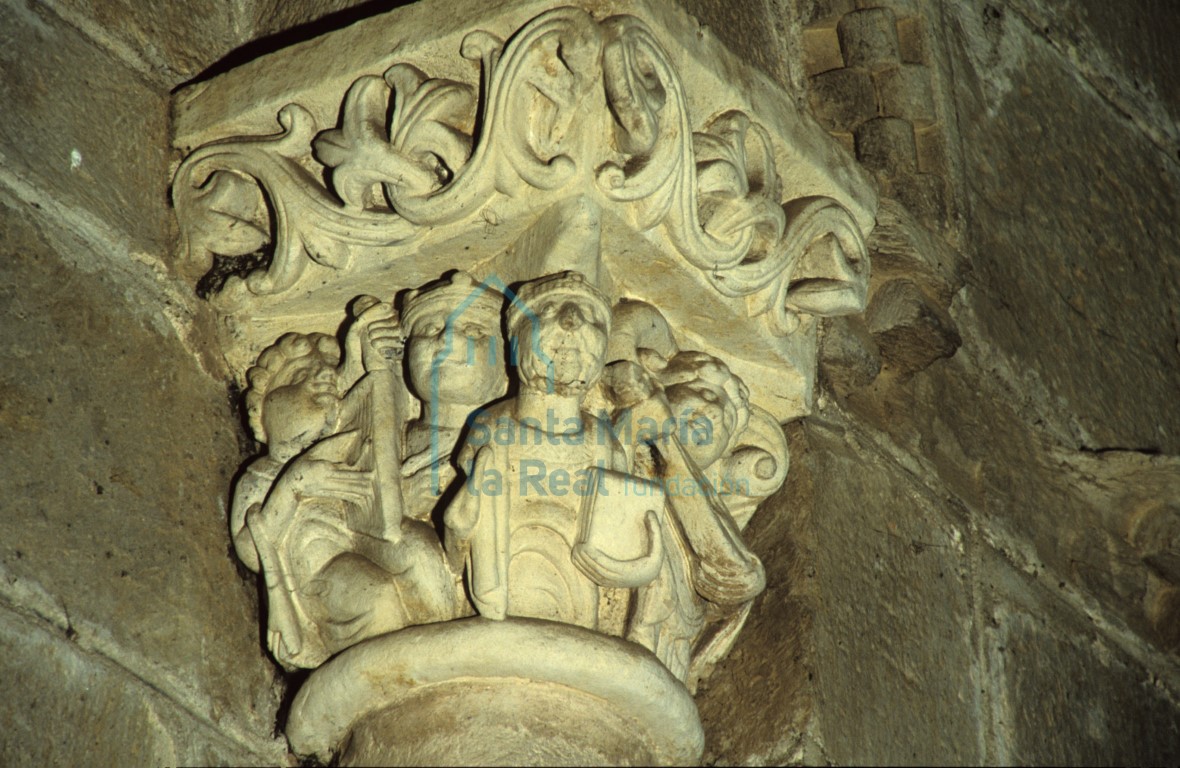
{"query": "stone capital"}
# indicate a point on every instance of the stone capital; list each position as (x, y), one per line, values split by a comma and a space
(548, 280)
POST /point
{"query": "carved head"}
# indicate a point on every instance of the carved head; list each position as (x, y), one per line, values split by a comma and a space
(455, 325)
(711, 399)
(294, 392)
(558, 326)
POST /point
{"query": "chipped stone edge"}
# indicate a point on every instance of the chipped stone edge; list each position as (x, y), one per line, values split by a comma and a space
(29, 600)
(162, 302)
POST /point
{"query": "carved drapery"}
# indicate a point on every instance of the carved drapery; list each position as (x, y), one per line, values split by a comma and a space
(520, 348)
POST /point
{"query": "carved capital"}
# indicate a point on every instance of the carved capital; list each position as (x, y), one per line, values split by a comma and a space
(588, 267)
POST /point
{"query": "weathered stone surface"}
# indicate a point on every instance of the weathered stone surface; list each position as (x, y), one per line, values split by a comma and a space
(773, 661)
(1161, 603)
(821, 50)
(1063, 693)
(911, 39)
(894, 632)
(903, 247)
(887, 144)
(842, 99)
(297, 21)
(1155, 533)
(118, 452)
(910, 328)
(1136, 496)
(848, 355)
(82, 127)
(1073, 222)
(858, 646)
(1009, 475)
(868, 38)
(824, 12)
(923, 193)
(63, 706)
(906, 91)
(172, 41)
(1127, 50)
(932, 151)
(754, 31)
(901, 8)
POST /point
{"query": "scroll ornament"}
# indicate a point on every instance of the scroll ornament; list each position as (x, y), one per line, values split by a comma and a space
(565, 106)
(551, 464)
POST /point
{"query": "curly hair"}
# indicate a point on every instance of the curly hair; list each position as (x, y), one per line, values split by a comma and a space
(267, 373)
(691, 366)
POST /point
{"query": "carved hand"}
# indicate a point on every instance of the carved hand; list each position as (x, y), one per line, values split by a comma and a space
(376, 334)
(329, 479)
(632, 386)
(309, 478)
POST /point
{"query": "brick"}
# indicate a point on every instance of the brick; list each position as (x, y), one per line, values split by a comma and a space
(824, 12)
(911, 39)
(842, 99)
(821, 50)
(887, 144)
(906, 92)
(868, 38)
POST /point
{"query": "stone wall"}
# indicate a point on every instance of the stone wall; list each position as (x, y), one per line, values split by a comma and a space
(999, 431)
(976, 557)
(128, 633)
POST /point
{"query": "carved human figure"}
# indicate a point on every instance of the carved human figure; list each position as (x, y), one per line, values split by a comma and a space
(688, 615)
(455, 362)
(291, 403)
(528, 463)
(320, 513)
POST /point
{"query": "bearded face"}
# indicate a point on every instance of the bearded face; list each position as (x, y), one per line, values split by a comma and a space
(567, 349)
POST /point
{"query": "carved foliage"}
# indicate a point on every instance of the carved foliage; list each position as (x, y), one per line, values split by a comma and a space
(413, 152)
(421, 149)
(713, 213)
(307, 222)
